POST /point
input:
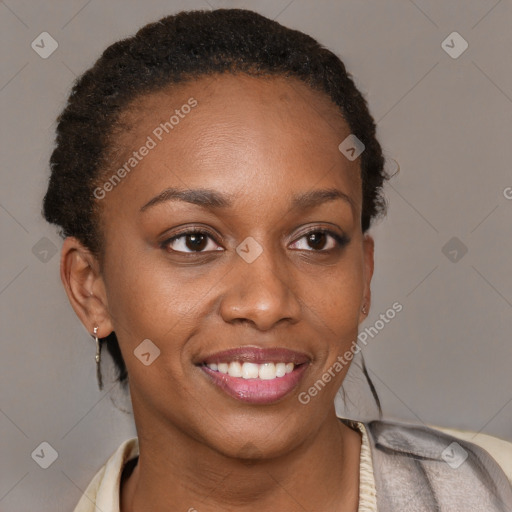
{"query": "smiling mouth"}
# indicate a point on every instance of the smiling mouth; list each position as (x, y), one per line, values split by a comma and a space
(246, 370)
(255, 375)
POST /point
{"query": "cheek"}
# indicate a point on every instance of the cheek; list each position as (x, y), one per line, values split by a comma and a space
(337, 294)
(335, 309)
(151, 299)
(145, 291)
(150, 304)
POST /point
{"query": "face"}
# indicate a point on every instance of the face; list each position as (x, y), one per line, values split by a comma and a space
(271, 276)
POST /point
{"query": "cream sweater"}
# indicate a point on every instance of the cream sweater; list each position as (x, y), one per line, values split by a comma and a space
(104, 490)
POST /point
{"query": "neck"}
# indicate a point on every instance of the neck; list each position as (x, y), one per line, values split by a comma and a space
(321, 474)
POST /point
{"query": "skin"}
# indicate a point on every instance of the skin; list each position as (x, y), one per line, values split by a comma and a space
(259, 140)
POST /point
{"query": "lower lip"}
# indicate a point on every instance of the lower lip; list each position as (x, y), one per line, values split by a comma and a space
(257, 391)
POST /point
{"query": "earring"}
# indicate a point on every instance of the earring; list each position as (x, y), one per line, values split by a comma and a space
(364, 309)
(98, 355)
(98, 358)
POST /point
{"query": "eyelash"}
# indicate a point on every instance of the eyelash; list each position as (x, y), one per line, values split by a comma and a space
(341, 240)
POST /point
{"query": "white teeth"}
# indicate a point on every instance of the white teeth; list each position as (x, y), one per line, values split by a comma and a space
(235, 369)
(280, 369)
(250, 371)
(267, 371)
(264, 371)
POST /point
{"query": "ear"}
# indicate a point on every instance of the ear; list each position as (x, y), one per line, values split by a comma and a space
(84, 285)
(368, 265)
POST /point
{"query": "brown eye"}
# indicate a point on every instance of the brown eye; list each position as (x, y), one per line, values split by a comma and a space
(190, 242)
(196, 241)
(318, 239)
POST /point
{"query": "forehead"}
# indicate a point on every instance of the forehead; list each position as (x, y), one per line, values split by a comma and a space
(271, 132)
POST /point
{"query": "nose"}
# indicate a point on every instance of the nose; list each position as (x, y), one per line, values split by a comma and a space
(260, 293)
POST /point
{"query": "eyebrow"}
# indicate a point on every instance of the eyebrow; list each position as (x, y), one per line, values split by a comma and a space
(212, 199)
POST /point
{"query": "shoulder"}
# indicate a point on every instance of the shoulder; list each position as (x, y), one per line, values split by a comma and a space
(499, 449)
(427, 440)
(102, 493)
(441, 465)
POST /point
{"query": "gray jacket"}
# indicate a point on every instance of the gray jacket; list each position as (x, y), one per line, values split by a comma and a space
(419, 469)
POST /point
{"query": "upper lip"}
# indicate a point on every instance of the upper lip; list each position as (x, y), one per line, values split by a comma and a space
(256, 355)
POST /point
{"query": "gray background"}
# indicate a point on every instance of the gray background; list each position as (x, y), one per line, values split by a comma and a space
(444, 360)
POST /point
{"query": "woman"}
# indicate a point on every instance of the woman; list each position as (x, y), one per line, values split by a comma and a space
(215, 177)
